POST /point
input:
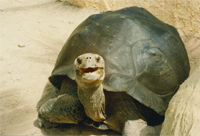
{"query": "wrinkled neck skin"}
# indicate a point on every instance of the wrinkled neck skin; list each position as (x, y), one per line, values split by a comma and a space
(92, 97)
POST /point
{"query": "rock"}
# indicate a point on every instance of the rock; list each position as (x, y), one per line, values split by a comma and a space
(18, 78)
(21, 45)
(182, 117)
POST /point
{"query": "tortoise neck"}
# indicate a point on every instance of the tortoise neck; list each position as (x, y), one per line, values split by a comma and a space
(93, 102)
(90, 87)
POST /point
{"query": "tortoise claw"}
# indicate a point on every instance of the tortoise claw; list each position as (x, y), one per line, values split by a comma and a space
(42, 123)
(39, 123)
(97, 125)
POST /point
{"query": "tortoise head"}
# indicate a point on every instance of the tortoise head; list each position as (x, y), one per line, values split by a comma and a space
(89, 68)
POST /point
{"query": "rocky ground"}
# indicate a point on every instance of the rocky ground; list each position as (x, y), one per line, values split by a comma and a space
(31, 35)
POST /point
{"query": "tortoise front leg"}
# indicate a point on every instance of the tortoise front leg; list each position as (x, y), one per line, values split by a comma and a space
(138, 128)
(64, 107)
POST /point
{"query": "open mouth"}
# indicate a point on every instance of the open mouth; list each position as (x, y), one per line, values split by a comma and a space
(89, 70)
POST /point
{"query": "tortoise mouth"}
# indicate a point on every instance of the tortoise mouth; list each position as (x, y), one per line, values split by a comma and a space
(89, 70)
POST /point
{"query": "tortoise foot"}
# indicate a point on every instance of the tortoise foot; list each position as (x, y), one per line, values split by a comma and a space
(42, 123)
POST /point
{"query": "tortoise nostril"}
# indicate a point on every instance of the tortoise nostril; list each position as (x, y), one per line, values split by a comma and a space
(79, 60)
(88, 58)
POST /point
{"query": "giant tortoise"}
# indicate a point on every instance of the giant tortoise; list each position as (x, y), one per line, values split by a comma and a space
(118, 70)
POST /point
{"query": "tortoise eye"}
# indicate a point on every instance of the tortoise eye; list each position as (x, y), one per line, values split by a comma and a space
(98, 59)
(79, 60)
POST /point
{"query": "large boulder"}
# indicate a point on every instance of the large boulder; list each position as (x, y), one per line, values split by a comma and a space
(182, 117)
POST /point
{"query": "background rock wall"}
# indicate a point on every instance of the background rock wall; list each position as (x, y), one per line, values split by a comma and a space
(183, 14)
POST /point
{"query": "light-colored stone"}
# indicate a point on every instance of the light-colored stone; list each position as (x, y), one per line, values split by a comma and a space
(138, 128)
(183, 114)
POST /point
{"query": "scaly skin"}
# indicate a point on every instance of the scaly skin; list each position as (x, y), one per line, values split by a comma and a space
(89, 76)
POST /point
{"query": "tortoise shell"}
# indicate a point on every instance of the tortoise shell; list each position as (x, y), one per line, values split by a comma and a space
(144, 57)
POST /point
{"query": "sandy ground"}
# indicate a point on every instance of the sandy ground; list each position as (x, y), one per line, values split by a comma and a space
(31, 36)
